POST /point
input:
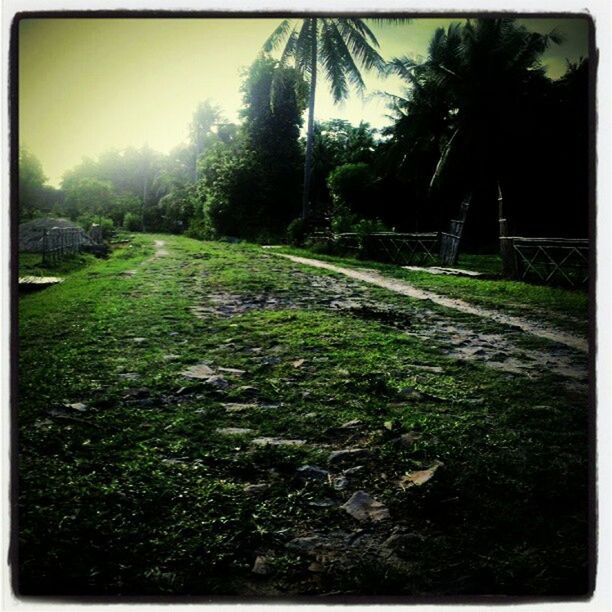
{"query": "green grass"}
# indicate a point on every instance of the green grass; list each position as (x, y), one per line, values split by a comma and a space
(31, 264)
(143, 496)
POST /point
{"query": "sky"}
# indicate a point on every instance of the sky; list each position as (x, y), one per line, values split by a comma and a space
(90, 85)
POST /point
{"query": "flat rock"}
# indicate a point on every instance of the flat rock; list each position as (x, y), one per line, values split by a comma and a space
(233, 431)
(363, 507)
(261, 567)
(77, 406)
(347, 454)
(232, 407)
(200, 371)
(312, 472)
(271, 441)
(217, 381)
(234, 371)
(353, 470)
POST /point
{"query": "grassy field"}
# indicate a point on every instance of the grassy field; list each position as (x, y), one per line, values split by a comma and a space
(143, 490)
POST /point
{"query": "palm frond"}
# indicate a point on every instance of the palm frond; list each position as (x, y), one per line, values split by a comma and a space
(349, 67)
(402, 67)
(333, 63)
(359, 47)
(278, 36)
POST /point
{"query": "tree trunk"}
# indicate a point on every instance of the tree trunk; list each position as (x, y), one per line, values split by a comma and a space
(144, 200)
(310, 132)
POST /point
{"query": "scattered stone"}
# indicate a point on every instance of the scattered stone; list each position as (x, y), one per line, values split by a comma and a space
(238, 407)
(78, 406)
(322, 503)
(412, 393)
(233, 431)
(271, 441)
(363, 507)
(235, 371)
(140, 393)
(353, 470)
(348, 454)
(217, 381)
(312, 472)
(354, 424)
(315, 567)
(139, 340)
(261, 567)
(248, 390)
(426, 368)
(254, 489)
(200, 370)
(340, 483)
(311, 415)
(419, 477)
(171, 357)
(298, 363)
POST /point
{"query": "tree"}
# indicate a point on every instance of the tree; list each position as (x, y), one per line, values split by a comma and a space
(468, 104)
(205, 117)
(89, 196)
(35, 196)
(251, 181)
(338, 44)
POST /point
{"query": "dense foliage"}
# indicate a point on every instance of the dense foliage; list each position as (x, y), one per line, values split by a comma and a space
(478, 114)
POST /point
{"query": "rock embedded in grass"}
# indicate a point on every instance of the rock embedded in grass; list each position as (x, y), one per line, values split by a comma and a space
(311, 472)
(348, 454)
(234, 431)
(271, 441)
(199, 371)
(363, 507)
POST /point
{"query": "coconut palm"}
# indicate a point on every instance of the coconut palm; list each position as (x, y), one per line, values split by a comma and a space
(485, 71)
(340, 46)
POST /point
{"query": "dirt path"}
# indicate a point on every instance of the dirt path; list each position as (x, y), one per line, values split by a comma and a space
(404, 288)
(160, 248)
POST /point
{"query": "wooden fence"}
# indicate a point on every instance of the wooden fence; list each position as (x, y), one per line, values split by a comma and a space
(60, 241)
(400, 248)
(551, 260)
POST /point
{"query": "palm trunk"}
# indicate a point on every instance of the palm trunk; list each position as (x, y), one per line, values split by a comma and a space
(310, 132)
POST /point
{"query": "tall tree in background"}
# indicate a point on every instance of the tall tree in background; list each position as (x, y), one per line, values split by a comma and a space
(340, 45)
(205, 117)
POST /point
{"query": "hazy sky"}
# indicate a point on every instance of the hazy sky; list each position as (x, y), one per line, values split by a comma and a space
(90, 85)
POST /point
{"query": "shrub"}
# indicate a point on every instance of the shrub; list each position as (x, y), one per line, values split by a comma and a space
(132, 222)
(296, 232)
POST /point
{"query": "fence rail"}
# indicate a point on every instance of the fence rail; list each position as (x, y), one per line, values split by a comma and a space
(551, 260)
(400, 248)
(60, 241)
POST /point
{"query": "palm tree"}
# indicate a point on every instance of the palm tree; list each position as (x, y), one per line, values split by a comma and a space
(487, 69)
(339, 45)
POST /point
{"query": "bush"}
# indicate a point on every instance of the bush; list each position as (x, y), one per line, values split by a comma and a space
(87, 220)
(296, 232)
(132, 222)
